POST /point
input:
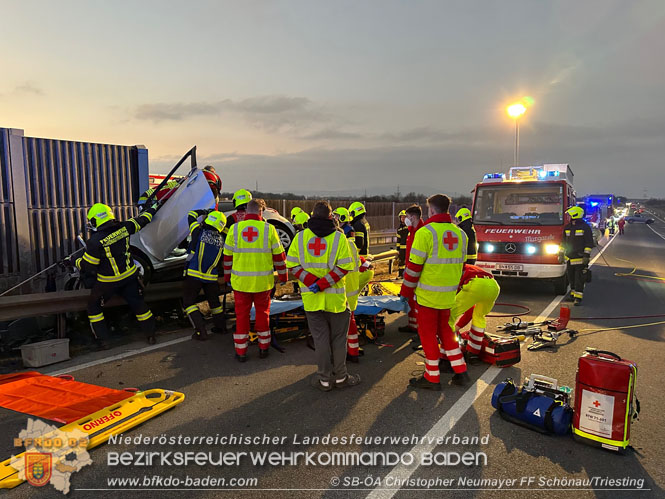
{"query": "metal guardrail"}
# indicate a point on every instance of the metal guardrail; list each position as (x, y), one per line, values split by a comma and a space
(62, 302)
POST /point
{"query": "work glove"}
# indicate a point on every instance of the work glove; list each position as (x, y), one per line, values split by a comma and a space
(405, 304)
(585, 260)
(314, 288)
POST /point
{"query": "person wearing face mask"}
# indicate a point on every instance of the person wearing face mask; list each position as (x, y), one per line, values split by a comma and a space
(413, 221)
(433, 275)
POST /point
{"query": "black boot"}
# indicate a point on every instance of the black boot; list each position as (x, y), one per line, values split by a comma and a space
(263, 353)
(200, 336)
(241, 358)
(422, 382)
(352, 358)
(461, 379)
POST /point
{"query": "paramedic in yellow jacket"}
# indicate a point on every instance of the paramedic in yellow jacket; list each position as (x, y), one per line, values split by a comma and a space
(319, 257)
(433, 273)
(251, 250)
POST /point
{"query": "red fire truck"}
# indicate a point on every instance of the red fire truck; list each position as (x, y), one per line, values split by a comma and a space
(519, 222)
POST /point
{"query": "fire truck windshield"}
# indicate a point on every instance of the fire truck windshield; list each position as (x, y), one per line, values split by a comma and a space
(519, 204)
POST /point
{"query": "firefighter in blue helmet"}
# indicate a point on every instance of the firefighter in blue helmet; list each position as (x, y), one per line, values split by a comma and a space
(108, 258)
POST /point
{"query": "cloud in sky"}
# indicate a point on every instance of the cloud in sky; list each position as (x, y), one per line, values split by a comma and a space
(389, 92)
(268, 112)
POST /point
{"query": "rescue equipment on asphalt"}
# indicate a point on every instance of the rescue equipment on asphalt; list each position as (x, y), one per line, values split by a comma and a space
(540, 404)
(548, 338)
(605, 401)
(115, 418)
(500, 351)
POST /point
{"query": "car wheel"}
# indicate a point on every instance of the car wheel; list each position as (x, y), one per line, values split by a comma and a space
(284, 234)
(629, 221)
(561, 285)
(143, 266)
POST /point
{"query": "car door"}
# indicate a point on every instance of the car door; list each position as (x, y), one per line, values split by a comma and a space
(169, 225)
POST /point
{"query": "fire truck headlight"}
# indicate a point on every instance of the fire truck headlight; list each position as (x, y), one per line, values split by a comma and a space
(530, 249)
(552, 249)
(489, 248)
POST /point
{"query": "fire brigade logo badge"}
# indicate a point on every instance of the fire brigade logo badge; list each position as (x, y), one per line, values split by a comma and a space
(317, 247)
(510, 248)
(38, 468)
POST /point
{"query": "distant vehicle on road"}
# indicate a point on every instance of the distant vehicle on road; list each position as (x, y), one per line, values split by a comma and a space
(639, 219)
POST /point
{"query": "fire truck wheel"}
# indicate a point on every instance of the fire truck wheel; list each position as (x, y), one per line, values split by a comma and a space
(561, 285)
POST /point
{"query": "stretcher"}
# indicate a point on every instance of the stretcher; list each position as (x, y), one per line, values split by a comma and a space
(91, 410)
(367, 305)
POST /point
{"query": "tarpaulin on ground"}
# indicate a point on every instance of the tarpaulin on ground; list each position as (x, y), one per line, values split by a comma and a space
(58, 399)
(367, 305)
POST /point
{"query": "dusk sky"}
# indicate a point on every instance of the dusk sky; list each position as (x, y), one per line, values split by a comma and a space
(343, 96)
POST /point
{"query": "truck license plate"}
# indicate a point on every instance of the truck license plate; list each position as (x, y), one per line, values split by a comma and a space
(509, 266)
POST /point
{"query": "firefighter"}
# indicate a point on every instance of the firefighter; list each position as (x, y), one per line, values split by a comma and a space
(319, 258)
(240, 199)
(476, 295)
(162, 195)
(351, 283)
(251, 250)
(402, 234)
(300, 221)
(577, 245)
(413, 222)
(433, 273)
(294, 211)
(201, 270)
(465, 223)
(107, 256)
(360, 227)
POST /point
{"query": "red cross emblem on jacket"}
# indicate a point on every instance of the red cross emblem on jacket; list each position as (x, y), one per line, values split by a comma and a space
(450, 240)
(317, 246)
(250, 234)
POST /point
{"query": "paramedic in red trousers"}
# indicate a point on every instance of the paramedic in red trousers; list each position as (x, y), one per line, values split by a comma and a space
(251, 250)
(413, 222)
(319, 257)
(433, 273)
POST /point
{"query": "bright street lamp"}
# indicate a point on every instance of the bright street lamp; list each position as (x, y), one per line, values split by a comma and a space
(515, 111)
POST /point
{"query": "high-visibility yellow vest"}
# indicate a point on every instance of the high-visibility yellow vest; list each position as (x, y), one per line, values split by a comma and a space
(252, 244)
(352, 279)
(319, 256)
(441, 247)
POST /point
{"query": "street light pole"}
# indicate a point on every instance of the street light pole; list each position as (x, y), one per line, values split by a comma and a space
(515, 111)
(517, 142)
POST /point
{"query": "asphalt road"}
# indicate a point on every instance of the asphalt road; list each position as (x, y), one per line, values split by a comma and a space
(274, 397)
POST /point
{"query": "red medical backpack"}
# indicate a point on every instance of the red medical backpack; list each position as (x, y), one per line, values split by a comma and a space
(605, 402)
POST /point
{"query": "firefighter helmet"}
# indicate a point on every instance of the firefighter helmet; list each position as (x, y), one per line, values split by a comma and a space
(301, 218)
(356, 209)
(402, 213)
(216, 219)
(99, 214)
(463, 214)
(575, 212)
(241, 197)
(343, 214)
(294, 211)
